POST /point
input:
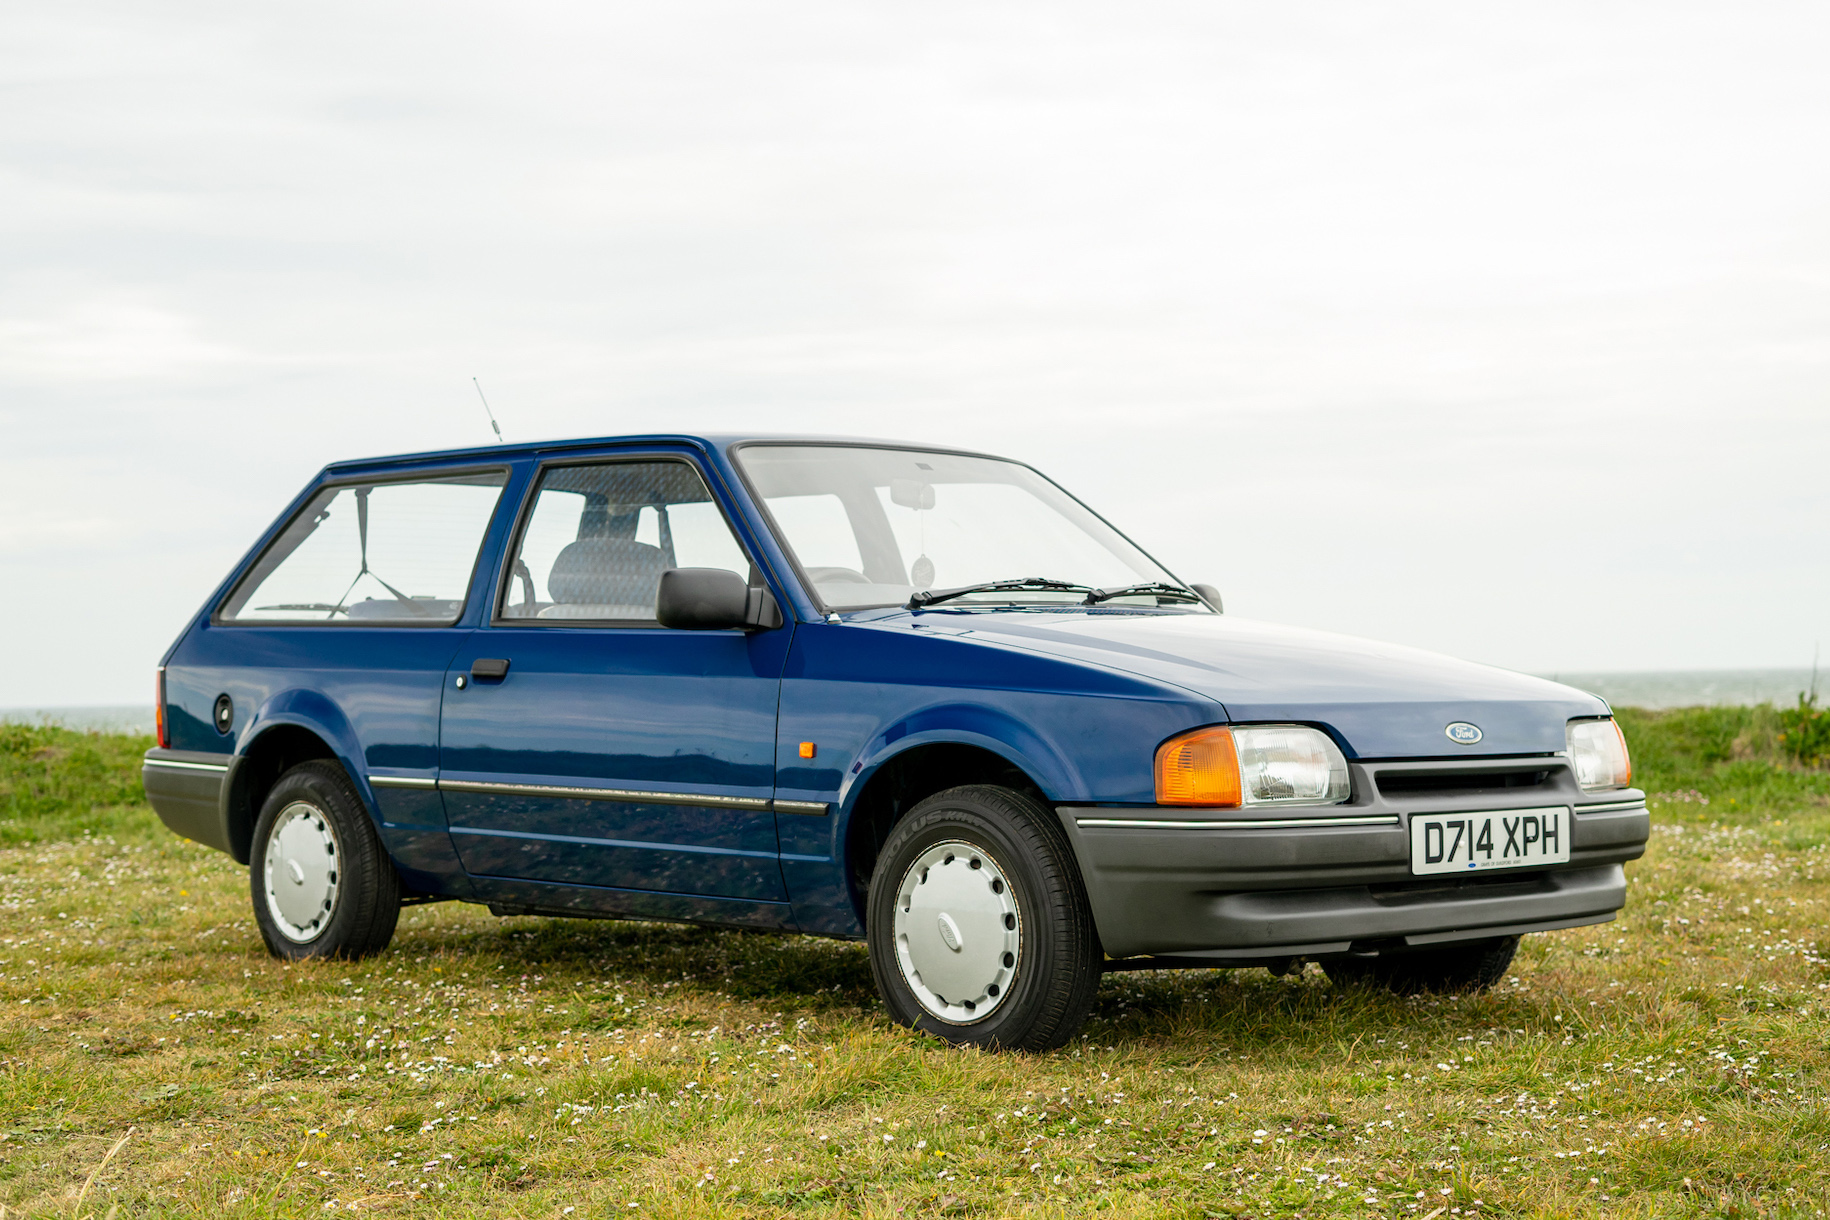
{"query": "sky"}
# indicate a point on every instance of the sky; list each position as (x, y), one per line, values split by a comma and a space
(1502, 330)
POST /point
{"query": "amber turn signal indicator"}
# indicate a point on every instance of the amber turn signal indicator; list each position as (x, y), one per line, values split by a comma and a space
(1198, 768)
(808, 749)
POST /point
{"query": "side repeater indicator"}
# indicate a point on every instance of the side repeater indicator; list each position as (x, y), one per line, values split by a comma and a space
(808, 749)
(1462, 733)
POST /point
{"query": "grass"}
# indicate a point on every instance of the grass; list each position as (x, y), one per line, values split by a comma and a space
(154, 1060)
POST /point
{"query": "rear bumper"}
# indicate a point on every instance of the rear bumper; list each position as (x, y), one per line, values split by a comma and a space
(185, 788)
(1323, 885)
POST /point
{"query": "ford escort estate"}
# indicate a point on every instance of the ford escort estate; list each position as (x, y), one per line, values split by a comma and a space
(910, 695)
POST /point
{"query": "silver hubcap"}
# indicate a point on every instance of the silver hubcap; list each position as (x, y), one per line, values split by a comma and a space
(958, 932)
(302, 868)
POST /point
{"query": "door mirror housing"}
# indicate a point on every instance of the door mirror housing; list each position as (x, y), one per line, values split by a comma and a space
(713, 599)
(1211, 596)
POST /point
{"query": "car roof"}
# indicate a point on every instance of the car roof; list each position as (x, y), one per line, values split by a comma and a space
(704, 440)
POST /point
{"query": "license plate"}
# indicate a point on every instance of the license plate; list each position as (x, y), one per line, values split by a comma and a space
(1502, 838)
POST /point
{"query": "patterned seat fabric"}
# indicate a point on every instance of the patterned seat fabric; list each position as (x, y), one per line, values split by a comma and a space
(606, 571)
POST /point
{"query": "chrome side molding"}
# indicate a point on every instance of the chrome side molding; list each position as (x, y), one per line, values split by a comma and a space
(1381, 819)
(567, 792)
(175, 765)
(1612, 807)
(628, 796)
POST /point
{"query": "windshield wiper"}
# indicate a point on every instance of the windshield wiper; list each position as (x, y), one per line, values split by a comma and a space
(929, 597)
(1149, 587)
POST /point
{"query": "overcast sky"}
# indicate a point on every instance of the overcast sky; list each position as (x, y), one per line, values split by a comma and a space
(1497, 329)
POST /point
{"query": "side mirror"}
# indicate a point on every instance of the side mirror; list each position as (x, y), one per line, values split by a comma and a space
(713, 599)
(1211, 596)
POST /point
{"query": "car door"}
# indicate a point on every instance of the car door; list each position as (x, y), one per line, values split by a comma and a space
(591, 758)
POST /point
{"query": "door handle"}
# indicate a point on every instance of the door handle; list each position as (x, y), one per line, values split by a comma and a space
(491, 668)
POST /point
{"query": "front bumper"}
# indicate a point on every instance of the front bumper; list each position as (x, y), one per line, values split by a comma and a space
(1230, 887)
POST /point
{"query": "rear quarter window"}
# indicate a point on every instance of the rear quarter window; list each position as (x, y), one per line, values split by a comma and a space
(396, 553)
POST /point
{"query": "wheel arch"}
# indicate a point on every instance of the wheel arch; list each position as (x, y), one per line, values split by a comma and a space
(289, 729)
(902, 778)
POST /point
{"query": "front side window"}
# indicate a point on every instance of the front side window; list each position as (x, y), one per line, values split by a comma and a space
(391, 554)
(872, 527)
(599, 537)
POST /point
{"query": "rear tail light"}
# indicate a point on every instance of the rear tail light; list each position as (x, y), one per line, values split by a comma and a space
(159, 725)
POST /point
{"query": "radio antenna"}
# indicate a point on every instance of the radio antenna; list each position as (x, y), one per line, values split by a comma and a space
(486, 410)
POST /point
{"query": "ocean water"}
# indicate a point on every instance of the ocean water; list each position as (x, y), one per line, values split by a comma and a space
(106, 718)
(1693, 687)
(1649, 688)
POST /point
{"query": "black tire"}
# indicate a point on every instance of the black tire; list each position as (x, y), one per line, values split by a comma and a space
(1467, 967)
(1055, 968)
(322, 813)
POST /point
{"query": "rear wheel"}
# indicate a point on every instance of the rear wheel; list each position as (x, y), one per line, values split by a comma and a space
(1466, 967)
(322, 883)
(978, 923)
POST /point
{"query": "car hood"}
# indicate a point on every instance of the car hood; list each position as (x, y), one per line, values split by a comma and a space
(1382, 700)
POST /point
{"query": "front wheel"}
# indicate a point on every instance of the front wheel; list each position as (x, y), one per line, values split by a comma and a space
(1469, 967)
(978, 923)
(322, 883)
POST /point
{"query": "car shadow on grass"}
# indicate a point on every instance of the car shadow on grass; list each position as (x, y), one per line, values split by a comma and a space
(1250, 1008)
(804, 972)
(1239, 1008)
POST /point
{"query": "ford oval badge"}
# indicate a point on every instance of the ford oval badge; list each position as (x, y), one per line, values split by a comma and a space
(1462, 733)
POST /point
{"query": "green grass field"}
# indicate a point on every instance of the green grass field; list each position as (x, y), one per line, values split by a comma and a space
(155, 1061)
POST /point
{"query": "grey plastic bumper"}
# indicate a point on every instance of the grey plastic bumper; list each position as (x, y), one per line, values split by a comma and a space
(185, 789)
(1237, 894)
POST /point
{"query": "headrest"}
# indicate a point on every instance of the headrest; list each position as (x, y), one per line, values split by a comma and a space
(603, 520)
(607, 570)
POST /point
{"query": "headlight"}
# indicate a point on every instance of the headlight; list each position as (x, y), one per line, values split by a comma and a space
(1599, 754)
(1275, 764)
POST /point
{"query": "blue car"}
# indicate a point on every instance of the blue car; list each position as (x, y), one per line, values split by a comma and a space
(914, 696)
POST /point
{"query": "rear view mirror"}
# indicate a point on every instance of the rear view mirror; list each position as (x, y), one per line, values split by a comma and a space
(713, 599)
(911, 493)
(1211, 596)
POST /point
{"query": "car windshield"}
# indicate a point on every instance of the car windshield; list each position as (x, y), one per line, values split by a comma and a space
(874, 527)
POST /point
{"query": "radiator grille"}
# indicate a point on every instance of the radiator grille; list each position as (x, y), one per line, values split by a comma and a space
(1461, 782)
